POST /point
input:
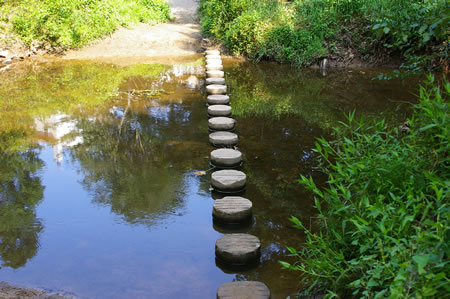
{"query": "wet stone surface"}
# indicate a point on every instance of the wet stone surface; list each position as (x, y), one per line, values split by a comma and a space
(243, 289)
(219, 110)
(226, 157)
(214, 74)
(214, 67)
(221, 123)
(228, 180)
(218, 81)
(212, 52)
(238, 249)
(216, 89)
(224, 139)
(218, 99)
(232, 209)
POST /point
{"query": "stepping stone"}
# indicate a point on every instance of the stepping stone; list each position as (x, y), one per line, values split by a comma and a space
(238, 249)
(213, 61)
(243, 289)
(228, 180)
(218, 99)
(221, 123)
(226, 157)
(219, 81)
(212, 52)
(215, 74)
(232, 209)
(212, 57)
(216, 88)
(222, 138)
(214, 67)
(219, 110)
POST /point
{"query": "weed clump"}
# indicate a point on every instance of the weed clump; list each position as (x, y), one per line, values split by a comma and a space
(383, 213)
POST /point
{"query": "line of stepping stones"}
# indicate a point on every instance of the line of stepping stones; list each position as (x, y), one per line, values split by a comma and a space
(234, 249)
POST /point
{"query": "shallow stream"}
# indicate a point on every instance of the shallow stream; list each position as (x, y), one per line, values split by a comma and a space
(100, 195)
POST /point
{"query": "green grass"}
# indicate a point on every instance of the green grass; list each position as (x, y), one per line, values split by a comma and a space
(383, 215)
(72, 24)
(303, 31)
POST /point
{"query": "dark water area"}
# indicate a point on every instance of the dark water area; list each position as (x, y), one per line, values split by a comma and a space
(99, 195)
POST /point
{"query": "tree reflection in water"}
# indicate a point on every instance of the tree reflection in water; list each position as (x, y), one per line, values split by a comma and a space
(20, 191)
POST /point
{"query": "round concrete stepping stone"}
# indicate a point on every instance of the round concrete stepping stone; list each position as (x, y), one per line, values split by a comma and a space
(214, 67)
(228, 180)
(219, 110)
(238, 249)
(223, 138)
(243, 289)
(221, 123)
(218, 81)
(226, 157)
(212, 52)
(213, 61)
(232, 209)
(216, 88)
(218, 99)
(212, 57)
(215, 74)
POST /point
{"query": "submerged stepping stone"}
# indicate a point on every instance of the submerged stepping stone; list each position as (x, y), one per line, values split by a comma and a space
(232, 209)
(219, 81)
(214, 67)
(228, 180)
(212, 56)
(218, 99)
(212, 52)
(226, 157)
(221, 123)
(216, 88)
(223, 138)
(219, 110)
(238, 249)
(243, 289)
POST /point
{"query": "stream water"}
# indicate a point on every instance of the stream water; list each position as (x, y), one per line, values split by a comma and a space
(99, 195)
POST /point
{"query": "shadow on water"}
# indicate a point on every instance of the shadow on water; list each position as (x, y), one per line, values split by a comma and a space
(123, 212)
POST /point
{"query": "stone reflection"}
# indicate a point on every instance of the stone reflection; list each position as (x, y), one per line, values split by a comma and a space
(20, 190)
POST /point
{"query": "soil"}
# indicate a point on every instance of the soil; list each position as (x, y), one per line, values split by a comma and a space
(144, 42)
(9, 291)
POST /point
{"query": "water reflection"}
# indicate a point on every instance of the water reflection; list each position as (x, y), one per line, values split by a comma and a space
(20, 191)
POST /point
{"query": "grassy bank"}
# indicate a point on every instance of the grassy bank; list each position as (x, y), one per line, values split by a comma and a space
(303, 31)
(382, 228)
(71, 24)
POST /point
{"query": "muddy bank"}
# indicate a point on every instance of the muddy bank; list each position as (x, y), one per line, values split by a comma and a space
(9, 291)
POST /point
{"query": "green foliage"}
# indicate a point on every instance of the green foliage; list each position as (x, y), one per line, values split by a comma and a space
(383, 214)
(72, 24)
(302, 31)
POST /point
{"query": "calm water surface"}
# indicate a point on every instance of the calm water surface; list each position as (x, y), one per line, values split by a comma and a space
(98, 192)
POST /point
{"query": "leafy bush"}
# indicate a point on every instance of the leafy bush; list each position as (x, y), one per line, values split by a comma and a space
(383, 214)
(302, 31)
(72, 24)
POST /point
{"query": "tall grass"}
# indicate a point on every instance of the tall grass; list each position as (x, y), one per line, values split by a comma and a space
(72, 24)
(384, 212)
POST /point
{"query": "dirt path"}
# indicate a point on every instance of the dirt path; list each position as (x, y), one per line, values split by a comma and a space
(181, 37)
